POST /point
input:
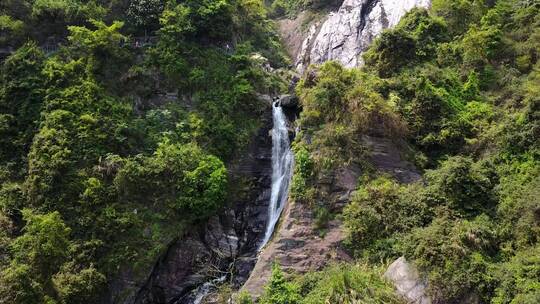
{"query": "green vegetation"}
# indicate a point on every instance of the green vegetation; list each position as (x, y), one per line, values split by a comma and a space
(457, 88)
(118, 120)
(290, 8)
(337, 284)
(99, 171)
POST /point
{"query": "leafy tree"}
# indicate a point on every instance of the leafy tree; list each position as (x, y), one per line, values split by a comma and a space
(461, 185)
(18, 285)
(44, 244)
(427, 31)
(185, 179)
(519, 278)
(198, 19)
(78, 287)
(382, 208)
(145, 13)
(456, 256)
(480, 45)
(22, 93)
(68, 10)
(392, 51)
(459, 14)
(12, 30)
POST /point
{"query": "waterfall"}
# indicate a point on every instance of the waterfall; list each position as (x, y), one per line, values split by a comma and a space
(282, 163)
(202, 291)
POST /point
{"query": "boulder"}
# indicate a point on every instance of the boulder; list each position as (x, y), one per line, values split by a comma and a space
(408, 283)
(288, 101)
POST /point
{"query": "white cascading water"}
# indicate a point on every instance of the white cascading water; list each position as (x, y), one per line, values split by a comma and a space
(202, 291)
(282, 163)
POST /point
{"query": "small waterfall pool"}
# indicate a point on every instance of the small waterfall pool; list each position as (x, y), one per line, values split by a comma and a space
(282, 163)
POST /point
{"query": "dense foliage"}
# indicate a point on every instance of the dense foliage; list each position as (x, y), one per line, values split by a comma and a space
(118, 119)
(457, 89)
(336, 284)
(290, 8)
(99, 168)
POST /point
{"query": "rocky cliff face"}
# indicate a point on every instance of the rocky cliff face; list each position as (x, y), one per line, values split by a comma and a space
(298, 246)
(343, 36)
(224, 247)
(346, 33)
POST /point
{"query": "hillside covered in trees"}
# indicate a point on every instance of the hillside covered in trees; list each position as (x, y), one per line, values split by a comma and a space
(119, 122)
(457, 88)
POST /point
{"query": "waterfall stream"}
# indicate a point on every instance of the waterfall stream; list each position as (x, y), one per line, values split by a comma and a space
(282, 163)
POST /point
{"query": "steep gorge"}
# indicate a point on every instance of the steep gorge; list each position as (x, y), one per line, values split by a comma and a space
(159, 169)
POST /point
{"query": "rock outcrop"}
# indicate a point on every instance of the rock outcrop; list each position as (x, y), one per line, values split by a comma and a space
(298, 246)
(386, 156)
(347, 33)
(288, 101)
(408, 283)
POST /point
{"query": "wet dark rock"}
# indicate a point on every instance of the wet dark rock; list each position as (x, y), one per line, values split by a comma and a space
(288, 101)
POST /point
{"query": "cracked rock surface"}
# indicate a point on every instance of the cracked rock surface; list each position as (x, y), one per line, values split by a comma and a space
(348, 32)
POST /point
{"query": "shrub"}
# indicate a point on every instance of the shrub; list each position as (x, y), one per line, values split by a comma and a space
(244, 298)
(301, 184)
(78, 287)
(18, 285)
(279, 290)
(460, 185)
(347, 284)
(381, 209)
(456, 255)
(390, 52)
(518, 278)
(459, 14)
(180, 177)
(44, 244)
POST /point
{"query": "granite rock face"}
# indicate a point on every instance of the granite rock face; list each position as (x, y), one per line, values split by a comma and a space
(347, 33)
(407, 281)
(298, 245)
